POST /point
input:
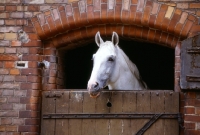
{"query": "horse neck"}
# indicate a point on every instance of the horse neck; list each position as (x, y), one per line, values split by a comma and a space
(126, 79)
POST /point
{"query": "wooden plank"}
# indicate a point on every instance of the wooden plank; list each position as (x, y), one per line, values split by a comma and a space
(116, 124)
(75, 106)
(128, 106)
(157, 106)
(143, 106)
(101, 127)
(171, 106)
(88, 125)
(62, 106)
(48, 106)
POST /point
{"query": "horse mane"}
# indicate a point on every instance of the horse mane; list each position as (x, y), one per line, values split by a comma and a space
(133, 68)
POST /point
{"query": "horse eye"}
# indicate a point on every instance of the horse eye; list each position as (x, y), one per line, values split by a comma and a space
(110, 59)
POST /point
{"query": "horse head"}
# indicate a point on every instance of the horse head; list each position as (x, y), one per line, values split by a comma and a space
(104, 61)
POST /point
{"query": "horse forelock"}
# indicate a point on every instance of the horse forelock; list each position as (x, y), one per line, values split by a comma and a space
(107, 46)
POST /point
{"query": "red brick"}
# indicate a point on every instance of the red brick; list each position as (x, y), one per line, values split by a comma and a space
(34, 93)
(6, 107)
(197, 110)
(90, 14)
(34, 8)
(1, 64)
(49, 86)
(10, 22)
(30, 71)
(9, 113)
(14, 99)
(9, 64)
(33, 36)
(31, 57)
(3, 100)
(32, 64)
(34, 50)
(163, 38)
(9, 85)
(50, 58)
(7, 92)
(49, 52)
(16, 43)
(11, 128)
(160, 16)
(11, 8)
(28, 29)
(2, 8)
(19, 106)
(14, 71)
(16, 14)
(53, 73)
(28, 100)
(32, 122)
(33, 43)
(189, 110)
(6, 121)
(117, 16)
(34, 79)
(8, 57)
(2, 128)
(10, 50)
(194, 5)
(25, 86)
(20, 78)
(28, 129)
(138, 18)
(110, 16)
(190, 95)
(192, 118)
(33, 107)
(28, 114)
(192, 132)
(39, 30)
(23, 50)
(173, 22)
(77, 16)
(9, 78)
(21, 22)
(17, 121)
(186, 28)
(146, 16)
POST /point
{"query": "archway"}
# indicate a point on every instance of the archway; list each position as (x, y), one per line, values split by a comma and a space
(155, 63)
(73, 25)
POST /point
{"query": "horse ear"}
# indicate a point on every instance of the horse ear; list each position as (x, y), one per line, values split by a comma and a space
(115, 38)
(98, 39)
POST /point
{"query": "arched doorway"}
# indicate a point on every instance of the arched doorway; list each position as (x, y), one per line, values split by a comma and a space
(155, 63)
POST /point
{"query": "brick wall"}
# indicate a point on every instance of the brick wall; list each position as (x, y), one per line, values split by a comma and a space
(76, 22)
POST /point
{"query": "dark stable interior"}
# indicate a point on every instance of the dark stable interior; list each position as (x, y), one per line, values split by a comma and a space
(155, 64)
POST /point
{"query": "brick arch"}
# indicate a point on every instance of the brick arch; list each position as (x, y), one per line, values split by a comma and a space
(76, 23)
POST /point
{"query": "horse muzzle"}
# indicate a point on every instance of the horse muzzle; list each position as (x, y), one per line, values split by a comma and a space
(94, 90)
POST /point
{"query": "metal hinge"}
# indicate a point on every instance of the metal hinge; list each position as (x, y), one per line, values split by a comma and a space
(54, 94)
(153, 117)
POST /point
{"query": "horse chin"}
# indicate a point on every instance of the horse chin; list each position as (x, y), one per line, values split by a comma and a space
(94, 95)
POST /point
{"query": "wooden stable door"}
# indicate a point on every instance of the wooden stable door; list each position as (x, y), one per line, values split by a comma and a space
(61, 110)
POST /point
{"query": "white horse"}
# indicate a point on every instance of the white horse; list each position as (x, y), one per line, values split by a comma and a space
(113, 68)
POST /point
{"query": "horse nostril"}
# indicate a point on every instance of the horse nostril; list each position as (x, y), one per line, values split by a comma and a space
(96, 85)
